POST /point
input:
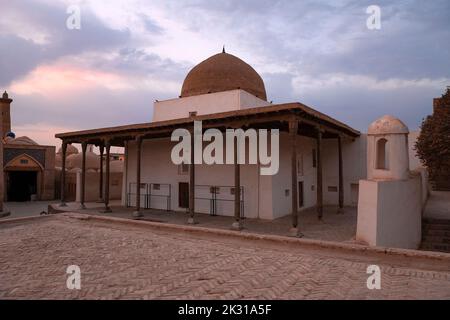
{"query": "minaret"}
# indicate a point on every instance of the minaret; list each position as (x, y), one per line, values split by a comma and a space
(5, 108)
(5, 122)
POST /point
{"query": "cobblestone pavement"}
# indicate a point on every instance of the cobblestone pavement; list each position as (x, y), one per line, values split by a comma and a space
(120, 261)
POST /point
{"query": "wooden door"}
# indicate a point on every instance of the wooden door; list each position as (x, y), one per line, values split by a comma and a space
(300, 194)
(183, 195)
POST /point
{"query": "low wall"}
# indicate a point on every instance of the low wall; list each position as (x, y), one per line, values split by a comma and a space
(390, 212)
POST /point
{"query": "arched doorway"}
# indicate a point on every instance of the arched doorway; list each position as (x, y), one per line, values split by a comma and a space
(23, 176)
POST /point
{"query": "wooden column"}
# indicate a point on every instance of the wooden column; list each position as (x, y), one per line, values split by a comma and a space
(237, 189)
(293, 129)
(107, 174)
(319, 175)
(191, 219)
(125, 172)
(341, 177)
(63, 175)
(83, 175)
(137, 213)
(100, 191)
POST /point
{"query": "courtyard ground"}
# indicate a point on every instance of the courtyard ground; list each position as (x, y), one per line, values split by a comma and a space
(332, 227)
(125, 259)
(27, 209)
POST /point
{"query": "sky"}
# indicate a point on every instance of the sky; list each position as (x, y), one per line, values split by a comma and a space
(127, 54)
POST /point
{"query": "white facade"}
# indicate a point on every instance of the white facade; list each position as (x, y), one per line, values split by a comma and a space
(265, 197)
(205, 104)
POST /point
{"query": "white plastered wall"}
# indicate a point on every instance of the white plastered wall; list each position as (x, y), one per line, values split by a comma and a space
(205, 104)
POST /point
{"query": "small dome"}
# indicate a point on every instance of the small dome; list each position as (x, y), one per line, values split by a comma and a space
(388, 125)
(22, 141)
(74, 161)
(223, 72)
(70, 150)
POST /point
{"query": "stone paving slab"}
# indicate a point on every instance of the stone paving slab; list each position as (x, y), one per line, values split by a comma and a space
(122, 261)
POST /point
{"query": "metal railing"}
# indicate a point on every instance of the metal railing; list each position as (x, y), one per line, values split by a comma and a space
(219, 194)
(148, 192)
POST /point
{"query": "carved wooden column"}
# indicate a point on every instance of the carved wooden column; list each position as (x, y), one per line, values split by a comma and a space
(293, 130)
(237, 189)
(83, 175)
(137, 213)
(63, 175)
(341, 177)
(191, 219)
(319, 175)
(107, 176)
(100, 197)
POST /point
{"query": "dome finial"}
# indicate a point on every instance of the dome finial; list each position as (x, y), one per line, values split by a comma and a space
(223, 50)
(5, 95)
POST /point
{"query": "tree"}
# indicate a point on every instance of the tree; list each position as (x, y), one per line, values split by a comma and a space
(433, 143)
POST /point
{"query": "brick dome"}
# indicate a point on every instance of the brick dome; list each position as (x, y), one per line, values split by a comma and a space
(223, 72)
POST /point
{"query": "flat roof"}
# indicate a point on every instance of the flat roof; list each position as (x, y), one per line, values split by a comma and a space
(304, 112)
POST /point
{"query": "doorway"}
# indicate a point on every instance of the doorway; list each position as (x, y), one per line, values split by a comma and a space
(21, 185)
(300, 194)
(354, 193)
(183, 195)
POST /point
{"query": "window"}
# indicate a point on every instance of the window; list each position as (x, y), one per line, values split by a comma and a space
(382, 155)
(286, 192)
(23, 161)
(332, 189)
(156, 186)
(314, 158)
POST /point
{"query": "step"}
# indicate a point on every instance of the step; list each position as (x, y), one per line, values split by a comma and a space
(436, 233)
(435, 239)
(435, 247)
(444, 227)
(427, 221)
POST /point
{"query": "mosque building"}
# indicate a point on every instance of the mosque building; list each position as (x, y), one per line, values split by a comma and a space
(29, 168)
(321, 160)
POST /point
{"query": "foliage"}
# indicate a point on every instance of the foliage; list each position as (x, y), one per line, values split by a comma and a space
(433, 143)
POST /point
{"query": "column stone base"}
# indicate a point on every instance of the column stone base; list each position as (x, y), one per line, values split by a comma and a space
(237, 225)
(295, 232)
(82, 206)
(191, 221)
(106, 210)
(4, 214)
(138, 214)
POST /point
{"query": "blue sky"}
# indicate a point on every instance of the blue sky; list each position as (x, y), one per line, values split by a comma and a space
(129, 53)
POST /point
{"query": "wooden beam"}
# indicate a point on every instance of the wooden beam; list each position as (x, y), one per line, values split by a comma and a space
(107, 209)
(102, 149)
(192, 181)
(83, 175)
(293, 129)
(237, 188)
(341, 176)
(319, 175)
(63, 175)
(137, 213)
